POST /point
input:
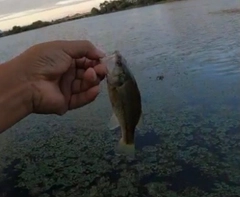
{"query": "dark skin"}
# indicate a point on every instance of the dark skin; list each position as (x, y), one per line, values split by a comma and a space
(49, 78)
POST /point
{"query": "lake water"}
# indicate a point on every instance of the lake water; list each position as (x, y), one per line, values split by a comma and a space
(189, 145)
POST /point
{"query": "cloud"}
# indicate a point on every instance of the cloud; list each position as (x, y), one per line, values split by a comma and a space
(60, 4)
(2, 15)
(65, 2)
(20, 14)
(54, 11)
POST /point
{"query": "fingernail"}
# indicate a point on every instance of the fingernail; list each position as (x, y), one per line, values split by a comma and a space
(101, 53)
(94, 75)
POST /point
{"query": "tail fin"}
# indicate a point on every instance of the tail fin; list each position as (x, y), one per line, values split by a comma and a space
(126, 149)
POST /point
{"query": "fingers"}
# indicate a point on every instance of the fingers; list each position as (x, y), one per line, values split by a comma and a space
(83, 98)
(65, 84)
(100, 69)
(81, 86)
(80, 48)
(86, 79)
(85, 63)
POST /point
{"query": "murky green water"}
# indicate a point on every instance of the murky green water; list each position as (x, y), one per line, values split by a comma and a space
(190, 143)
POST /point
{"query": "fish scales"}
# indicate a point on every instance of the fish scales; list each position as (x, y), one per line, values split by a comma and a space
(125, 100)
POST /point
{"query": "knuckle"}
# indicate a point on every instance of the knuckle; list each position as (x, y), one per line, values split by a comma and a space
(34, 47)
(87, 43)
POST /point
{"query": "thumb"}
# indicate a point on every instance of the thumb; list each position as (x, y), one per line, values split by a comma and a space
(80, 48)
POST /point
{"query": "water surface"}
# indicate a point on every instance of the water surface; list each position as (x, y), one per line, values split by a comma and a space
(189, 145)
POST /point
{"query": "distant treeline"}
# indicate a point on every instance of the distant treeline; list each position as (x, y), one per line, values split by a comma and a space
(19, 29)
(105, 7)
(117, 5)
(40, 24)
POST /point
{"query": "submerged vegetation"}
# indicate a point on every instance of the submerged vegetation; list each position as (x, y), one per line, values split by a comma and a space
(188, 155)
(105, 7)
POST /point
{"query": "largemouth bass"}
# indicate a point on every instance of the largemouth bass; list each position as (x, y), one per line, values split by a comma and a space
(125, 100)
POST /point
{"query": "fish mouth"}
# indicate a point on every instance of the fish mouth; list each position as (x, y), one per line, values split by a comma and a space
(113, 60)
(110, 61)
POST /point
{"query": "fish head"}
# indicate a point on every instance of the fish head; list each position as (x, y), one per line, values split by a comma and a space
(117, 73)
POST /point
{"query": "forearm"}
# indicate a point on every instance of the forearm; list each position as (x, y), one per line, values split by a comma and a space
(15, 97)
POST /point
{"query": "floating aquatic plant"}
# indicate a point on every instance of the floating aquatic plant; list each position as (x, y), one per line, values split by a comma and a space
(61, 161)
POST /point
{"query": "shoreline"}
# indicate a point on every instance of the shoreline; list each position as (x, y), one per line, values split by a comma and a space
(41, 24)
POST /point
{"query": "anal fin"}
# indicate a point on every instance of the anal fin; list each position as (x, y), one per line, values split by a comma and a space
(140, 122)
(113, 123)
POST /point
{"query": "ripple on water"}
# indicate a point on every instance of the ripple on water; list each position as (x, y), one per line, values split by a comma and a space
(217, 61)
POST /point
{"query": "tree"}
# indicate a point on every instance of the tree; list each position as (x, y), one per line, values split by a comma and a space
(16, 29)
(95, 11)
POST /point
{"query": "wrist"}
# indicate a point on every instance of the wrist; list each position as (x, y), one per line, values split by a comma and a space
(16, 84)
(15, 94)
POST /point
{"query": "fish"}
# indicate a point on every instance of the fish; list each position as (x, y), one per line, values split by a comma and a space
(125, 99)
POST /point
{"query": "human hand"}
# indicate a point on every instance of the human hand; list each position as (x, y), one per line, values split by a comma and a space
(63, 75)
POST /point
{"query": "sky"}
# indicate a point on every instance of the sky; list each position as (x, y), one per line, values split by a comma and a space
(24, 12)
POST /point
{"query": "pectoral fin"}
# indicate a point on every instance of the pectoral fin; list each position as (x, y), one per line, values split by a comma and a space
(113, 123)
(140, 122)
